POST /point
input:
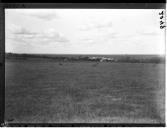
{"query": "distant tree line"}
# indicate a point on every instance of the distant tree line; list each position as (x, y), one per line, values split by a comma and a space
(123, 59)
(142, 60)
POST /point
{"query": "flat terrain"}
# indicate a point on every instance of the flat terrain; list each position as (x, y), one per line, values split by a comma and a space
(51, 92)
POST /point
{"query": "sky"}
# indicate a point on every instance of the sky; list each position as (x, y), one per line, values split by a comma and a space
(84, 31)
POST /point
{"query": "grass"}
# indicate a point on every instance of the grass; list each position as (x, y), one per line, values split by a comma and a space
(49, 92)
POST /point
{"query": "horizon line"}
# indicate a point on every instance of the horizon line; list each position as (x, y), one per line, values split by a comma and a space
(82, 54)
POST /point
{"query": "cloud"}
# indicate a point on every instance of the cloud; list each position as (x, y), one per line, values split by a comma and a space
(148, 31)
(25, 32)
(100, 35)
(53, 35)
(24, 35)
(43, 14)
(91, 26)
(104, 25)
(87, 40)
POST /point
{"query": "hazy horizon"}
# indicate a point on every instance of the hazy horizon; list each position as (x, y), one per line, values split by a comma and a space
(83, 54)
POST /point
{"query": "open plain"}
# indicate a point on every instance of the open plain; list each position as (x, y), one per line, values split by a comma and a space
(47, 91)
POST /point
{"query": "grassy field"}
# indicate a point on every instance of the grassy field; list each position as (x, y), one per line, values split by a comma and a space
(50, 92)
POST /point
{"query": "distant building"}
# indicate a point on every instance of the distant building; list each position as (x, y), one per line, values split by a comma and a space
(101, 59)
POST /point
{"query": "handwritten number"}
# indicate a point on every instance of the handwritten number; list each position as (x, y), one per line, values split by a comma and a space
(161, 13)
(161, 17)
(161, 27)
(161, 21)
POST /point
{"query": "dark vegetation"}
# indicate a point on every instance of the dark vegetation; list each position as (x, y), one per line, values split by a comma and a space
(50, 91)
(70, 58)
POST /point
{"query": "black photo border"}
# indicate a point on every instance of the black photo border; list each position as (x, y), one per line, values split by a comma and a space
(19, 5)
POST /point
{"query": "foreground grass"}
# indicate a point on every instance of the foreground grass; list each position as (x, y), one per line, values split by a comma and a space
(42, 91)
